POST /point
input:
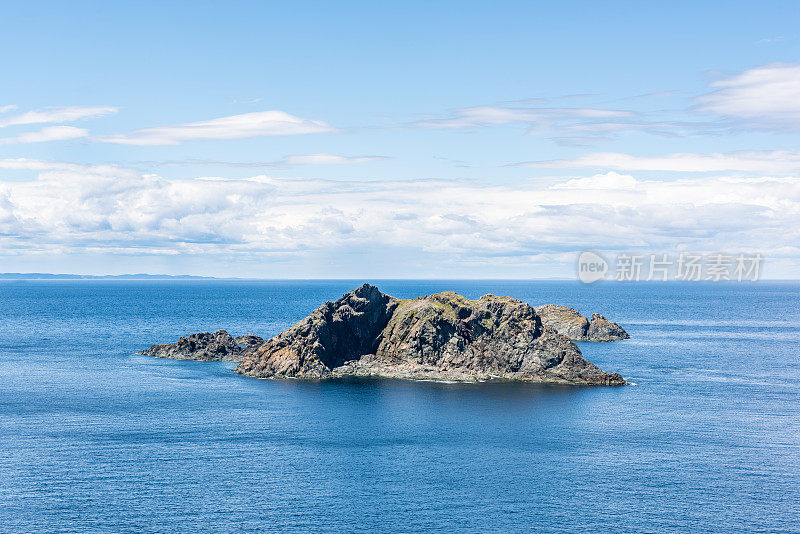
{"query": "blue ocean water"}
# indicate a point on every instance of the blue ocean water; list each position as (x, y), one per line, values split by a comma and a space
(94, 438)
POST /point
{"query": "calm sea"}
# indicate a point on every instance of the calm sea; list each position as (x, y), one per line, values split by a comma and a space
(94, 438)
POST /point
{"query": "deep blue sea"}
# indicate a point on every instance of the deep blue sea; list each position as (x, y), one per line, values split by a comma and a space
(94, 438)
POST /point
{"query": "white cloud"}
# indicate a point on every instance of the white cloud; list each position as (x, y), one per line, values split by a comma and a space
(766, 97)
(609, 180)
(326, 159)
(234, 127)
(49, 133)
(56, 115)
(5, 109)
(102, 209)
(765, 162)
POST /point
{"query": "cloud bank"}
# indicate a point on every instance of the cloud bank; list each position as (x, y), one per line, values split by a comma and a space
(109, 210)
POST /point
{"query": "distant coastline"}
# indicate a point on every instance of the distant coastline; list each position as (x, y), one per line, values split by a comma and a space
(141, 276)
(145, 276)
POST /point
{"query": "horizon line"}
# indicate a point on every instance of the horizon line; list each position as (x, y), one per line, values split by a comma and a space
(192, 277)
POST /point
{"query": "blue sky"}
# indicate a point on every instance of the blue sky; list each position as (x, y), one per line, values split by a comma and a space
(463, 139)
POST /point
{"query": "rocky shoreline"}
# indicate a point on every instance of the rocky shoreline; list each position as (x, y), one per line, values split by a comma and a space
(444, 336)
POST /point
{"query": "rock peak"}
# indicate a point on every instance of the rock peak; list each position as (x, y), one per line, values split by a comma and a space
(366, 288)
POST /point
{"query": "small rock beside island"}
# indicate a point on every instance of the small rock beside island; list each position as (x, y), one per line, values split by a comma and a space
(206, 346)
(571, 323)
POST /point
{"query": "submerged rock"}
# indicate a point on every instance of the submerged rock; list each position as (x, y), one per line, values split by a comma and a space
(443, 336)
(571, 323)
(207, 347)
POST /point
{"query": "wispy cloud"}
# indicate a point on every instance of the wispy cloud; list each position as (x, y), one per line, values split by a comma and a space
(534, 117)
(762, 98)
(7, 108)
(770, 40)
(46, 166)
(766, 97)
(287, 161)
(57, 115)
(766, 162)
(573, 126)
(263, 123)
(578, 141)
(326, 159)
(49, 133)
(654, 94)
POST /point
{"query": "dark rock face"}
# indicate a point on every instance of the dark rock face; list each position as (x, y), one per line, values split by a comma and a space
(207, 347)
(334, 333)
(442, 336)
(601, 329)
(571, 323)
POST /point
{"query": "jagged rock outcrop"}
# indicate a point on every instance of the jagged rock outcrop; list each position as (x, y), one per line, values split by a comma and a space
(564, 320)
(601, 329)
(443, 336)
(207, 347)
(571, 323)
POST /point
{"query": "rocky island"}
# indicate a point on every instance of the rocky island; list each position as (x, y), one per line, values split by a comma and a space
(444, 336)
